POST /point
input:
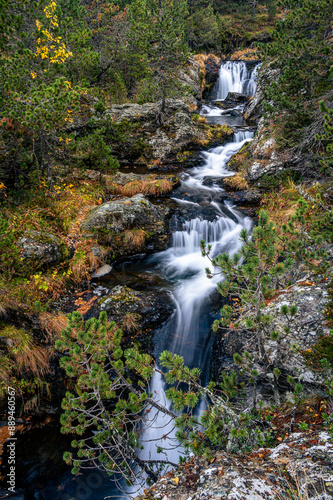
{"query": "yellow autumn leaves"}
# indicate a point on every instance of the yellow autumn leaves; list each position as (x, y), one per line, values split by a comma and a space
(50, 46)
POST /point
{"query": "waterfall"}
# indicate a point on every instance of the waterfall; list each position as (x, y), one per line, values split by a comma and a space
(188, 331)
(234, 77)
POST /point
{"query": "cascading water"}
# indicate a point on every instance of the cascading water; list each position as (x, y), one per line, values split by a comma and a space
(188, 331)
(205, 215)
(235, 77)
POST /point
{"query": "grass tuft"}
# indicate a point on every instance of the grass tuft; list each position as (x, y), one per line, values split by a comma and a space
(236, 182)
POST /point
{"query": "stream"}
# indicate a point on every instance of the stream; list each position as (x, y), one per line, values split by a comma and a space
(201, 213)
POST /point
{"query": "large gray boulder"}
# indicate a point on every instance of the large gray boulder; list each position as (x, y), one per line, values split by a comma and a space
(177, 132)
(306, 328)
(144, 113)
(302, 460)
(128, 225)
(41, 247)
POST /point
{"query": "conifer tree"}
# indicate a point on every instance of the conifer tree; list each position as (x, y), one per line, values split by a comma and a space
(158, 28)
(110, 403)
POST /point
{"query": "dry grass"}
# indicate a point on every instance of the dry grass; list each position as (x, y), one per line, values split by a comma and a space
(130, 322)
(150, 187)
(84, 261)
(201, 60)
(22, 355)
(53, 324)
(236, 182)
(246, 54)
(135, 238)
(281, 205)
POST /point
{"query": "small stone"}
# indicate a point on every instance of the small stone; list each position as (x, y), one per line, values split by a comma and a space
(102, 271)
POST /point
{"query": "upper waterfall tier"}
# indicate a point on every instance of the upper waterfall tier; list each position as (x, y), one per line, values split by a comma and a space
(235, 77)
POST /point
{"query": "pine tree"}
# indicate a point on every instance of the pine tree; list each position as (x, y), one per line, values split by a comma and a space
(158, 28)
(110, 403)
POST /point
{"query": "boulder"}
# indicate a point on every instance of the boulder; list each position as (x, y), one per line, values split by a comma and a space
(303, 461)
(251, 197)
(232, 100)
(155, 141)
(102, 271)
(147, 309)
(145, 113)
(308, 325)
(43, 248)
(128, 225)
(178, 133)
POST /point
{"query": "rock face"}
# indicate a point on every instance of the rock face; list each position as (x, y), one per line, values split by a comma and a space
(148, 309)
(129, 225)
(178, 131)
(43, 248)
(306, 327)
(261, 156)
(303, 460)
(233, 99)
(253, 110)
(212, 68)
(190, 76)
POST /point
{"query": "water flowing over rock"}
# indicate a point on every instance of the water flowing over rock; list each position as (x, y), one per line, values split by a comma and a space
(235, 77)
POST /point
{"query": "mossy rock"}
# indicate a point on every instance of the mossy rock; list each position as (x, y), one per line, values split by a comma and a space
(150, 309)
(42, 248)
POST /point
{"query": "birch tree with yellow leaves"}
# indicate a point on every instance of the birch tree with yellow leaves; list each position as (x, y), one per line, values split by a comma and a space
(38, 103)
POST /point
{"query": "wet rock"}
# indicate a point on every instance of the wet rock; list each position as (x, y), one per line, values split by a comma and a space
(43, 248)
(147, 309)
(102, 271)
(212, 67)
(264, 474)
(251, 197)
(128, 225)
(232, 100)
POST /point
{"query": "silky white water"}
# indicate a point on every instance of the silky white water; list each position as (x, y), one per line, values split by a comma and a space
(183, 265)
(187, 333)
(235, 77)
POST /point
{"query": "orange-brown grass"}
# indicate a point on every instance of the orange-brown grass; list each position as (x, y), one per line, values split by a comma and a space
(22, 354)
(53, 324)
(200, 59)
(281, 205)
(247, 54)
(135, 238)
(150, 187)
(130, 322)
(84, 261)
(236, 182)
